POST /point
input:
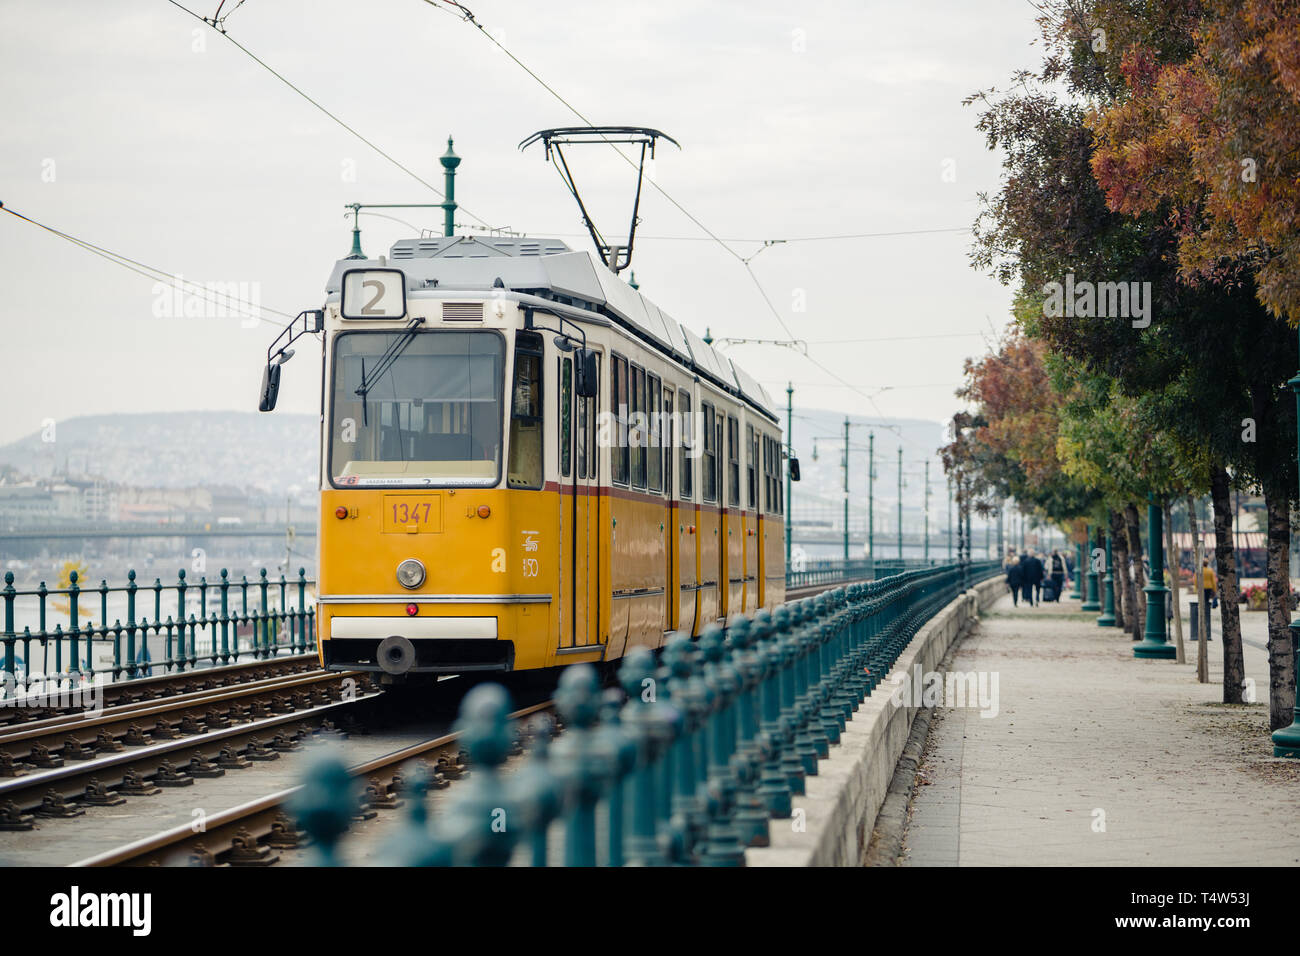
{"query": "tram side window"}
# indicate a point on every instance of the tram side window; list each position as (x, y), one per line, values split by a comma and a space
(668, 435)
(733, 462)
(566, 416)
(638, 429)
(654, 446)
(767, 473)
(771, 462)
(586, 435)
(751, 464)
(525, 469)
(687, 444)
(709, 462)
(618, 403)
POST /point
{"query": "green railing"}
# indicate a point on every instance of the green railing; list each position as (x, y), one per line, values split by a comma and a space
(838, 571)
(710, 743)
(218, 616)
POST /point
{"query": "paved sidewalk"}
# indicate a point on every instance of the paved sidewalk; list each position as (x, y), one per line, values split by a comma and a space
(1086, 737)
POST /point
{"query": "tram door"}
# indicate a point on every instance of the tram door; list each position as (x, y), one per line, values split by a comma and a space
(668, 440)
(581, 502)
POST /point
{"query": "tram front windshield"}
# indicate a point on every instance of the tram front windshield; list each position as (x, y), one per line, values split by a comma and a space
(430, 417)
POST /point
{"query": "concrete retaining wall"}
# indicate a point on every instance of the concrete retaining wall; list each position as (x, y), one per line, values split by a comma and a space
(832, 822)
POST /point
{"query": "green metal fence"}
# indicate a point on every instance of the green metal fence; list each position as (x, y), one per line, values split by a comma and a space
(687, 764)
(838, 571)
(278, 621)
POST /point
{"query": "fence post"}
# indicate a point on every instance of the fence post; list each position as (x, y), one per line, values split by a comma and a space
(180, 617)
(74, 628)
(687, 821)
(623, 749)
(747, 759)
(9, 636)
(647, 721)
(265, 639)
(774, 786)
(581, 761)
(130, 624)
(536, 791)
(723, 847)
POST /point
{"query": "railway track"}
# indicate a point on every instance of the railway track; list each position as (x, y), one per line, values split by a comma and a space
(254, 833)
(142, 689)
(198, 735)
(75, 736)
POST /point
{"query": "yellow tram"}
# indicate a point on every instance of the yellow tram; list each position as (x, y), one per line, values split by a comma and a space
(525, 463)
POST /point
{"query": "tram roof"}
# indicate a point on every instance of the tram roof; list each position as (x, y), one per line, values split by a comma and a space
(549, 268)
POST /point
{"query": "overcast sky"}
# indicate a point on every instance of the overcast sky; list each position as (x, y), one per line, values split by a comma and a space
(136, 127)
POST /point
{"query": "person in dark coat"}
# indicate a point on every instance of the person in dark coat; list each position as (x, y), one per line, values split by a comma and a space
(1031, 577)
(1058, 574)
(1014, 576)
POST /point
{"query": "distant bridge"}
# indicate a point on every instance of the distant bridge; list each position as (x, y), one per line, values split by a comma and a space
(13, 534)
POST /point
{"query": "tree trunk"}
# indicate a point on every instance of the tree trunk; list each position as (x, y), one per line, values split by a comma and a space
(1281, 666)
(1175, 566)
(1137, 599)
(1225, 561)
(1198, 592)
(1119, 553)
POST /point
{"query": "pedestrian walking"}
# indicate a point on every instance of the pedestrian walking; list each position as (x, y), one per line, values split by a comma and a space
(1014, 572)
(1031, 576)
(1057, 575)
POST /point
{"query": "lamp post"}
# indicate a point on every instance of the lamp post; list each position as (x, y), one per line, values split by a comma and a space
(1077, 577)
(871, 501)
(1107, 618)
(950, 520)
(1090, 602)
(789, 437)
(900, 503)
(926, 500)
(449, 162)
(846, 489)
(1155, 642)
(1286, 740)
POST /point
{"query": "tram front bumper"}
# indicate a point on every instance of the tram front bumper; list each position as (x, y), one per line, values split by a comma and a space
(429, 645)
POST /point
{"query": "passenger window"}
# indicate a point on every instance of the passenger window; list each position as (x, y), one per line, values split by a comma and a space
(618, 402)
(566, 416)
(654, 447)
(751, 466)
(525, 469)
(687, 441)
(733, 462)
(638, 428)
(709, 464)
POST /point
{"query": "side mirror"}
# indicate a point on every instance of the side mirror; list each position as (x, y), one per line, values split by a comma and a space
(270, 387)
(587, 377)
(794, 469)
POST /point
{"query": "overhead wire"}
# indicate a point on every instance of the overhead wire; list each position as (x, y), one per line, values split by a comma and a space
(250, 310)
(219, 26)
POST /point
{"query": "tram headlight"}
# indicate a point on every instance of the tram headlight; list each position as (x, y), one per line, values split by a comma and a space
(410, 573)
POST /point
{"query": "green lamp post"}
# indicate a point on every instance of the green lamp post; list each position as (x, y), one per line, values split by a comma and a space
(449, 162)
(1091, 603)
(1286, 740)
(1107, 618)
(1155, 641)
(1077, 577)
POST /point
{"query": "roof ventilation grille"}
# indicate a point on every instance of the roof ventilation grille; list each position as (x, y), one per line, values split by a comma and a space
(462, 311)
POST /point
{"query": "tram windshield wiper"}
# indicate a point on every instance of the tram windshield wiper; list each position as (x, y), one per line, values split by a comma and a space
(385, 362)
